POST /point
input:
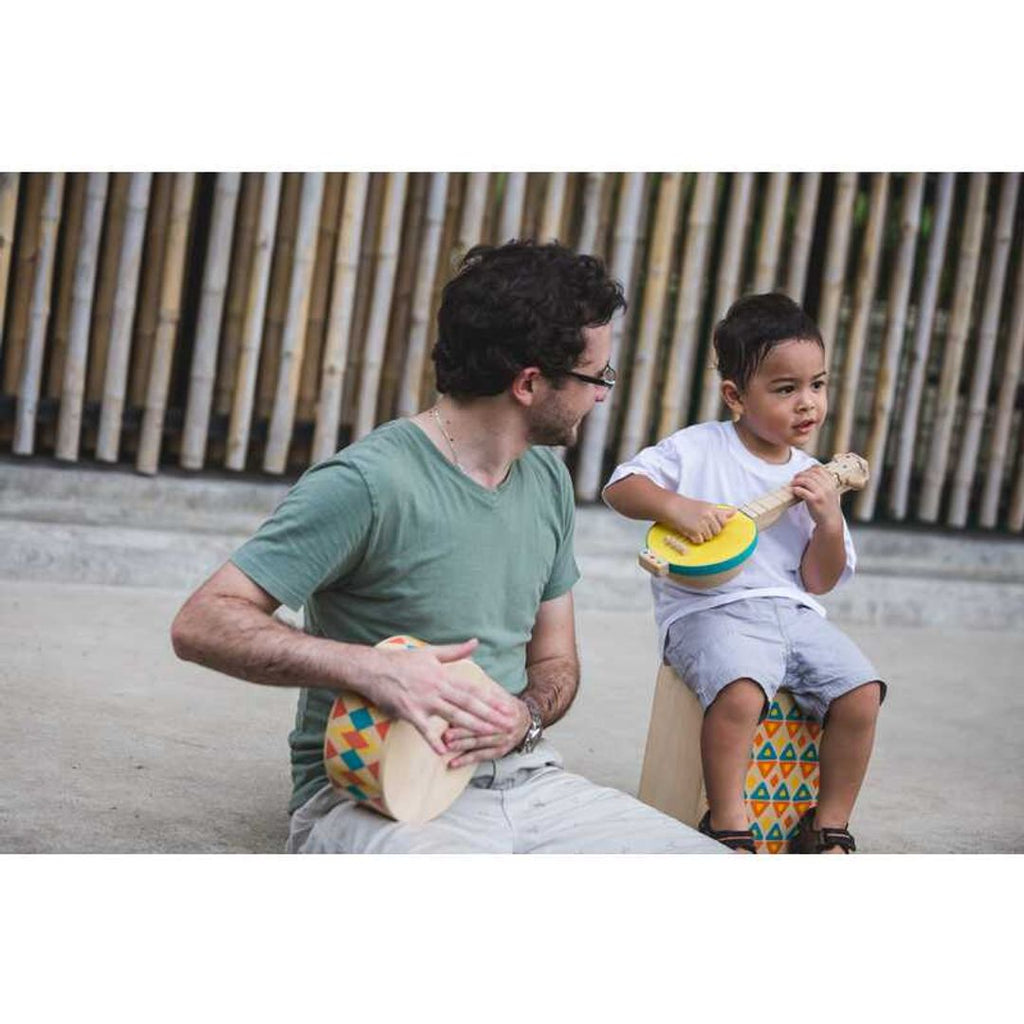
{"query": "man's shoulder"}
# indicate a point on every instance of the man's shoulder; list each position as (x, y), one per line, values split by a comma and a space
(391, 445)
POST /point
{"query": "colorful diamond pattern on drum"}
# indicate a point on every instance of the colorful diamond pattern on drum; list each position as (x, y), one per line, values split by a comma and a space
(354, 740)
(782, 777)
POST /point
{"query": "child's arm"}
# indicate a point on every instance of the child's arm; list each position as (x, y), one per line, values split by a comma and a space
(824, 558)
(638, 497)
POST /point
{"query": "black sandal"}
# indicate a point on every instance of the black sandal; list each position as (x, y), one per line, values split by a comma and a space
(733, 838)
(818, 840)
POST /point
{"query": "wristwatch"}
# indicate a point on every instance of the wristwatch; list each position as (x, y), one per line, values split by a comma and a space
(533, 730)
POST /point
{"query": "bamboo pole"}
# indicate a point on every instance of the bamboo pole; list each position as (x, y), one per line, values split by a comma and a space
(766, 268)
(892, 346)
(533, 202)
(597, 424)
(384, 280)
(397, 343)
(592, 188)
(409, 396)
(959, 326)
(9, 187)
(835, 262)
(445, 268)
(554, 207)
(116, 377)
(69, 425)
(922, 341)
(316, 328)
(978, 402)
(803, 235)
(32, 363)
(277, 296)
(172, 282)
(64, 277)
(634, 432)
(282, 420)
(343, 293)
(1009, 383)
(511, 225)
(211, 309)
(675, 399)
(238, 290)
(728, 286)
(1015, 518)
(369, 255)
(243, 397)
(106, 284)
(867, 279)
(25, 261)
(144, 335)
(473, 209)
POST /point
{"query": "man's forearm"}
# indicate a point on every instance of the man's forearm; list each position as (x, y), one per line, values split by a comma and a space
(230, 635)
(552, 683)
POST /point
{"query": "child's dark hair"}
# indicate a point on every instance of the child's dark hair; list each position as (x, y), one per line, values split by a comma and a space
(518, 305)
(752, 327)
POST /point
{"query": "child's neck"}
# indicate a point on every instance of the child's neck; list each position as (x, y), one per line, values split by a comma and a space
(777, 455)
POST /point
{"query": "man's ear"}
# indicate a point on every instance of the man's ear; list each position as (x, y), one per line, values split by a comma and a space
(732, 398)
(524, 385)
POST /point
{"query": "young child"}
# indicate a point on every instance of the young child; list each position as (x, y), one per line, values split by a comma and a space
(736, 644)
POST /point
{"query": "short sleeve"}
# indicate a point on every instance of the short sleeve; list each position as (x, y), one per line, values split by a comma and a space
(317, 535)
(564, 571)
(661, 463)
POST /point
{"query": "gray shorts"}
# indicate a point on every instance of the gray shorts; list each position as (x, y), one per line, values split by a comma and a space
(774, 642)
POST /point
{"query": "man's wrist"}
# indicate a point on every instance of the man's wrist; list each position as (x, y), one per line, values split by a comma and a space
(534, 727)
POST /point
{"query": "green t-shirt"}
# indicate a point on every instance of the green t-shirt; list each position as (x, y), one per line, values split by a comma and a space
(389, 537)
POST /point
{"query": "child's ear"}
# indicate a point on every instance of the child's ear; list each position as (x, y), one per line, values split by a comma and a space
(731, 397)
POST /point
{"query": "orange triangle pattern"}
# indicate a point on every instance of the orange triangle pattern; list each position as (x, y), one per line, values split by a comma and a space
(778, 817)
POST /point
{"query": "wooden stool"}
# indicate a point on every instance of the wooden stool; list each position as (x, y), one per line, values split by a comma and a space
(782, 777)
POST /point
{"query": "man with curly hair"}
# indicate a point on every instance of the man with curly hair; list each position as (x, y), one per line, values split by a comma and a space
(455, 526)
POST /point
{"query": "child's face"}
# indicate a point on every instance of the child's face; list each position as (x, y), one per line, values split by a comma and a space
(785, 399)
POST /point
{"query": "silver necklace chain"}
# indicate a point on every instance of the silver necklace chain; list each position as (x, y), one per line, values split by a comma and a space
(447, 437)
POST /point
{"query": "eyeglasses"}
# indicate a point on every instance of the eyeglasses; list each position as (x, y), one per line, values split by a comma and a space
(606, 380)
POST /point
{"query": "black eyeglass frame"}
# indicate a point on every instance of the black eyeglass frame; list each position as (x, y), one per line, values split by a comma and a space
(606, 380)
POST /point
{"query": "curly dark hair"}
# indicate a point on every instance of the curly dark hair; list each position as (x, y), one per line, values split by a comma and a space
(517, 305)
(752, 327)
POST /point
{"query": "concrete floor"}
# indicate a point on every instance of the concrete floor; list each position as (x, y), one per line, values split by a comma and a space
(108, 744)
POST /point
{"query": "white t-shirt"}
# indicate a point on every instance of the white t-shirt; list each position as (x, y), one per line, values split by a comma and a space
(709, 462)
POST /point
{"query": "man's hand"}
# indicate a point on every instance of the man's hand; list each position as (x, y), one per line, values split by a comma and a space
(816, 488)
(416, 685)
(698, 521)
(489, 746)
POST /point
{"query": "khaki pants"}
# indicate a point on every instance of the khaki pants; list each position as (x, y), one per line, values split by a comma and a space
(524, 803)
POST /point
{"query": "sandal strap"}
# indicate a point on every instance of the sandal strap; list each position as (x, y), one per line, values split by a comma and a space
(828, 837)
(817, 840)
(735, 839)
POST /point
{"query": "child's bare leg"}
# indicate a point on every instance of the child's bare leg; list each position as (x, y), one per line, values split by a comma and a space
(845, 750)
(728, 728)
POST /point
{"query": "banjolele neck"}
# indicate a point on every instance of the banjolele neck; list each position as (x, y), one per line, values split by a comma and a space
(850, 472)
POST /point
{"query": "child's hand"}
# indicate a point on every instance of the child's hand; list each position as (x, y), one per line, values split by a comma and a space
(698, 521)
(816, 488)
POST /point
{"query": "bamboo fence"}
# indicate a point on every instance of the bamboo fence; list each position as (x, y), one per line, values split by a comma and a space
(258, 322)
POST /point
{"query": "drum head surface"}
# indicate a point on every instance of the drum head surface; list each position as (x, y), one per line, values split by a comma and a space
(730, 548)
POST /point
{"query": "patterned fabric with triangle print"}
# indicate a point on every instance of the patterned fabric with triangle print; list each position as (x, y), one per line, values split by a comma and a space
(782, 777)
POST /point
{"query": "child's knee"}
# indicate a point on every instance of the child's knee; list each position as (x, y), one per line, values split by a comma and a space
(740, 701)
(857, 708)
